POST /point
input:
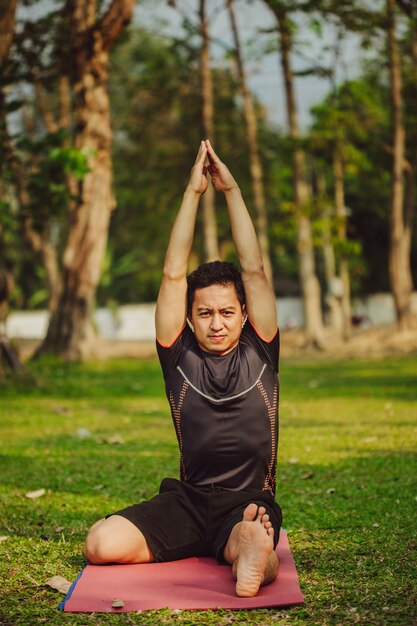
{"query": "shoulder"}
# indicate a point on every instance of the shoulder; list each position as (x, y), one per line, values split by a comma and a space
(267, 350)
(169, 356)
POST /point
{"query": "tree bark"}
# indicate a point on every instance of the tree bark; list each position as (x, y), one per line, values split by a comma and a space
(70, 331)
(400, 231)
(255, 164)
(341, 233)
(40, 244)
(208, 200)
(308, 279)
(7, 21)
(332, 280)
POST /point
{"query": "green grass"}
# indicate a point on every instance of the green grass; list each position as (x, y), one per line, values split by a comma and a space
(346, 482)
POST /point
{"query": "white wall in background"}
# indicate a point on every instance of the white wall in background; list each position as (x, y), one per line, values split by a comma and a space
(135, 322)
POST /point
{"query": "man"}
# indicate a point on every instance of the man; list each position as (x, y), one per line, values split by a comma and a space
(221, 380)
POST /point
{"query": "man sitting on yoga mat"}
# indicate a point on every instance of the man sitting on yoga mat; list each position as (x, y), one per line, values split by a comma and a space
(221, 378)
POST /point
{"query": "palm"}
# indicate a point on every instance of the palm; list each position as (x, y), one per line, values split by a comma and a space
(198, 180)
(221, 177)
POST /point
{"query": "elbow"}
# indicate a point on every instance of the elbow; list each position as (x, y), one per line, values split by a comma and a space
(173, 274)
(253, 272)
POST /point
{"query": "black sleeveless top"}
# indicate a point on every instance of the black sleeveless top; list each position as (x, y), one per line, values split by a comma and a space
(225, 410)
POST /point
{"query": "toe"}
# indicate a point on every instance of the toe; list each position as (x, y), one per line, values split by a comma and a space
(250, 512)
(261, 513)
(265, 518)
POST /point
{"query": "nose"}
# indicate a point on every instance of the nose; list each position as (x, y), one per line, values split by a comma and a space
(216, 322)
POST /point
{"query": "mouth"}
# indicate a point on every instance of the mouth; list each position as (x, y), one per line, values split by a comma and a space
(217, 338)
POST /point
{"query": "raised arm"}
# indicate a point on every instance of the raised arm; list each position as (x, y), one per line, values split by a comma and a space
(171, 307)
(260, 298)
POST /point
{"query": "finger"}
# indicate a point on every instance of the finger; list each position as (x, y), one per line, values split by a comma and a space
(211, 154)
(202, 153)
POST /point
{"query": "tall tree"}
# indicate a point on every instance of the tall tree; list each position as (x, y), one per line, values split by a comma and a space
(7, 20)
(7, 26)
(340, 210)
(255, 163)
(308, 279)
(400, 231)
(91, 37)
(208, 200)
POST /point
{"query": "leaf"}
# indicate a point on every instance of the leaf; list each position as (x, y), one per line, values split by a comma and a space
(307, 475)
(4, 538)
(117, 604)
(61, 410)
(59, 583)
(35, 494)
(113, 439)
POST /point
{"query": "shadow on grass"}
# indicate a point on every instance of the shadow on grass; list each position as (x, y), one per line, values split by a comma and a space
(374, 491)
(391, 379)
(388, 378)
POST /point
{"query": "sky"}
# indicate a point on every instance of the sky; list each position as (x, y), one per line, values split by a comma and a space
(265, 76)
(264, 71)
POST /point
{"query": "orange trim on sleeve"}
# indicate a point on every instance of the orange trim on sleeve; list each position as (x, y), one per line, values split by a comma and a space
(173, 341)
(259, 334)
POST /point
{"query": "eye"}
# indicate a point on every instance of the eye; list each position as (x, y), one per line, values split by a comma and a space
(203, 314)
(228, 313)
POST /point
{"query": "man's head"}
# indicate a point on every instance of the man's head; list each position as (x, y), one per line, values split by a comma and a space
(214, 273)
(216, 306)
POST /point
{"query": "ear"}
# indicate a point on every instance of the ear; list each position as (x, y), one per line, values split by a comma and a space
(244, 315)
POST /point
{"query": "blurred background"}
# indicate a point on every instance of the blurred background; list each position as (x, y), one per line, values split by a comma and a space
(311, 104)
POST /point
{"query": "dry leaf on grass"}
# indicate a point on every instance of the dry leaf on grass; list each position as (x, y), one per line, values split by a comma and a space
(35, 494)
(113, 439)
(3, 538)
(61, 410)
(59, 583)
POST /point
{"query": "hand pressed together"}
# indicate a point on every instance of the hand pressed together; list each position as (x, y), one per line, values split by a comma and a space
(198, 179)
(221, 177)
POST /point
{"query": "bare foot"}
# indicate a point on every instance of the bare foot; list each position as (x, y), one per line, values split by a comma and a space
(256, 544)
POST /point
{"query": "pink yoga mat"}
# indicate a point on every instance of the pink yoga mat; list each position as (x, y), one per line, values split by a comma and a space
(195, 583)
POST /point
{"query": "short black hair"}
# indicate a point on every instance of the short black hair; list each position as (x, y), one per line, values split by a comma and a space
(214, 273)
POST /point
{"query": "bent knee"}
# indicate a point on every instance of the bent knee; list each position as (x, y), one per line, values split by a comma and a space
(97, 548)
(116, 540)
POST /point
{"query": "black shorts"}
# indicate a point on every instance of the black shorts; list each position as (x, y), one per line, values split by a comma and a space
(184, 521)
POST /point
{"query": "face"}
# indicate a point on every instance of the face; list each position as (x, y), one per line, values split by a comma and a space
(217, 317)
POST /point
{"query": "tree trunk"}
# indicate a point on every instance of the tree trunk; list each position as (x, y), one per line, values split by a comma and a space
(70, 331)
(255, 163)
(333, 300)
(309, 282)
(208, 200)
(7, 21)
(400, 232)
(41, 244)
(341, 233)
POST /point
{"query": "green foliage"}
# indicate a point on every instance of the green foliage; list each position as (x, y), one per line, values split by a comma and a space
(355, 118)
(156, 104)
(46, 162)
(156, 112)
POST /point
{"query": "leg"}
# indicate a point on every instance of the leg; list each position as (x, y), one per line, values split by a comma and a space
(116, 540)
(250, 551)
